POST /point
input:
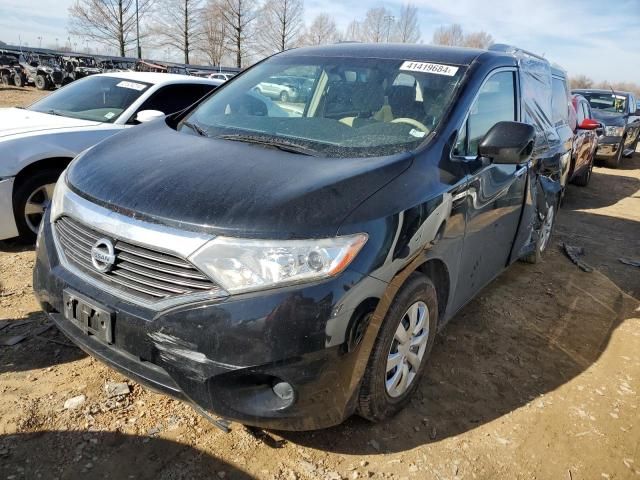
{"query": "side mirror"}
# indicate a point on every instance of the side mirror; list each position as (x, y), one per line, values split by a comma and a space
(589, 124)
(508, 143)
(148, 115)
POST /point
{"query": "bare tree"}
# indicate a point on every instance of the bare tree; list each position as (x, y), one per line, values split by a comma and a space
(321, 31)
(478, 40)
(280, 25)
(451, 36)
(353, 31)
(407, 29)
(214, 33)
(179, 24)
(377, 25)
(238, 16)
(110, 22)
(580, 81)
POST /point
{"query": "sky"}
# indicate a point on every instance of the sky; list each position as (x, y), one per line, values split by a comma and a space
(592, 37)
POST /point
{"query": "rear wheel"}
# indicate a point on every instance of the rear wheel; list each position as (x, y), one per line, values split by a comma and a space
(41, 82)
(6, 79)
(18, 80)
(617, 159)
(544, 237)
(31, 198)
(399, 356)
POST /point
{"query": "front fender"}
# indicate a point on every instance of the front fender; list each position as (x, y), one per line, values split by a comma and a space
(19, 151)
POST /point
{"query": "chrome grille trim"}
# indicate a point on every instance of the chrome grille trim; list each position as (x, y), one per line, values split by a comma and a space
(135, 242)
(155, 279)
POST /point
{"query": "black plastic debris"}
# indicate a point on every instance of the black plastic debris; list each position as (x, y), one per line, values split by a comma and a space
(574, 253)
(630, 261)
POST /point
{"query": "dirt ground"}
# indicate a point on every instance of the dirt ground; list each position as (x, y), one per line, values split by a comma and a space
(537, 378)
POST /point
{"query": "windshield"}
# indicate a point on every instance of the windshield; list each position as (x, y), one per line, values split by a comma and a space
(336, 107)
(607, 102)
(95, 98)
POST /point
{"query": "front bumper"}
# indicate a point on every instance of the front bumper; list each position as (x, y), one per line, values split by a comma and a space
(8, 227)
(225, 355)
(608, 147)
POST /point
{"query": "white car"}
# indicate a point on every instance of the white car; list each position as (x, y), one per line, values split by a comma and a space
(222, 76)
(38, 142)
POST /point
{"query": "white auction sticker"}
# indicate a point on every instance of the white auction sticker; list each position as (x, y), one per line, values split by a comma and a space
(436, 68)
(132, 85)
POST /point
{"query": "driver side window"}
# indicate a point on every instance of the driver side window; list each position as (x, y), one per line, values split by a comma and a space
(496, 102)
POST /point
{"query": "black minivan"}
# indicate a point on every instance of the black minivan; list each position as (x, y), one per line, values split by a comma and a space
(286, 264)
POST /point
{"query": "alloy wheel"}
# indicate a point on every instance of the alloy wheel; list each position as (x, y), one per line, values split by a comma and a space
(36, 205)
(547, 226)
(407, 349)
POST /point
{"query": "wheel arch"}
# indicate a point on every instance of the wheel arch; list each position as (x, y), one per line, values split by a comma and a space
(59, 163)
(438, 273)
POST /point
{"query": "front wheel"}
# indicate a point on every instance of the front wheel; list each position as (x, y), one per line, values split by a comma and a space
(582, 180)
(617, 160)
(31, 198)
(399, 356)
(41, 82)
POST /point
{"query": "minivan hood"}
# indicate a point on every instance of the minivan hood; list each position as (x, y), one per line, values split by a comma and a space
(15, 121)
(610, 119)
(226, 187)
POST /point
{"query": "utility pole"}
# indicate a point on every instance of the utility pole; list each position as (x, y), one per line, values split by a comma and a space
(39, 42)
(138, 31)
(389, 19)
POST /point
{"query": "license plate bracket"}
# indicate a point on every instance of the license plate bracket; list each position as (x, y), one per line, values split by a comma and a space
(94, 319)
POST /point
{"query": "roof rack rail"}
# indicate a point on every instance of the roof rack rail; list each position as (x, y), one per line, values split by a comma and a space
(505, 48)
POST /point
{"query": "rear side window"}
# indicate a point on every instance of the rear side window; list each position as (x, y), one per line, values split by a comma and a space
(173, 98)
(559, 102)
(580, 112)
(496, 102)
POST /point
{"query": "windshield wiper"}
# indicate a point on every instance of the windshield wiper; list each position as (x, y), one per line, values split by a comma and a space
(268, 142)
(196, 128)
(55, 112)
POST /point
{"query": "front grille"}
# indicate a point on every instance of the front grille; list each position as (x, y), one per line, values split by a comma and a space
(140, 271)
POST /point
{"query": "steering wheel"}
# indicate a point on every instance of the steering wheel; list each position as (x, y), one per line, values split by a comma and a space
(414, 123)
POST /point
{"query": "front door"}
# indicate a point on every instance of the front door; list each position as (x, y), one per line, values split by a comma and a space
(494, 196)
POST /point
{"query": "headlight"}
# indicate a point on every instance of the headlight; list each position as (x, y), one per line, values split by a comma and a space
(614, 131)
(58, 195)
(242, 265)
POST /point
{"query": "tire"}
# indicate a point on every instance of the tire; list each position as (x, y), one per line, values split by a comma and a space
(41, 82)
(18, 80)
(617, 160)
(377, 399)
(284, 96)
(6, 79)
(544, 239)
(582, 180)
(35, 191)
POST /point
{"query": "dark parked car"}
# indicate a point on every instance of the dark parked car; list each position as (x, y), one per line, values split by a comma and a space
(585, 142)
(288, 271)
(620, 115)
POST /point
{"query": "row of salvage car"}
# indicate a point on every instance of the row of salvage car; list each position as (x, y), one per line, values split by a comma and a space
(49, 69)
(287, 263)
